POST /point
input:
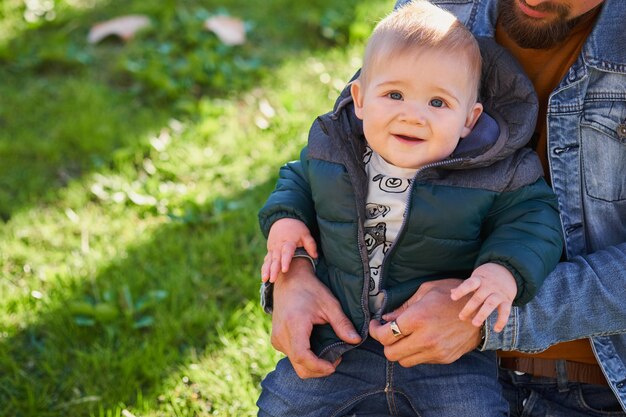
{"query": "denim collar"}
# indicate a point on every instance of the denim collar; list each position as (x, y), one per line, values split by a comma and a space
(604, 48)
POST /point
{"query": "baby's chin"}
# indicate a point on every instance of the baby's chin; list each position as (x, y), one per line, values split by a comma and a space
(407, 164)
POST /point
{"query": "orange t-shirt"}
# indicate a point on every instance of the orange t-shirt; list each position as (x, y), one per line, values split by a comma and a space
(546, 68)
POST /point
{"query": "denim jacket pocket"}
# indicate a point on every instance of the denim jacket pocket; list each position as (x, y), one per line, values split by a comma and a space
(603, 140)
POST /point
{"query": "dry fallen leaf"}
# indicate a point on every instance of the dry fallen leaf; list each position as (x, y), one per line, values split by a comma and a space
(124, 27)
(230, 30)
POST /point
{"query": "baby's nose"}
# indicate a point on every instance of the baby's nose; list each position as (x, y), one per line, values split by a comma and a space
(414, 113)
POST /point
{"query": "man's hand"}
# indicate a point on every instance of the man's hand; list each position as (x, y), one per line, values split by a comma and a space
(301, 301)
(431, 329)
(284, 237)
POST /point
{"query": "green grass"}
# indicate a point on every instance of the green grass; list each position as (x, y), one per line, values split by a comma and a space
(129, 248)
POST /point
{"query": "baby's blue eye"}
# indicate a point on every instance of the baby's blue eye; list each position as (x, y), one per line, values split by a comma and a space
(436, 102)
(395, 96)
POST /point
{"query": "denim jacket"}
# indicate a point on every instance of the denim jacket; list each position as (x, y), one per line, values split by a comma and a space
(586, 295)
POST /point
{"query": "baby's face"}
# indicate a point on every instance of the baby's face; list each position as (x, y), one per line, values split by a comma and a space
(415, 107)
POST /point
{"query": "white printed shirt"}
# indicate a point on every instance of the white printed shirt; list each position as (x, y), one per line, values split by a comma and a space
(388, 192)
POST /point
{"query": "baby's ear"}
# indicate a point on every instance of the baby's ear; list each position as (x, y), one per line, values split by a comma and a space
(356, 89)
(472, 118)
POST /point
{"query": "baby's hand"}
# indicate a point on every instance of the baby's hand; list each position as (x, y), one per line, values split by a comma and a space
(494, 287)
(285, 236)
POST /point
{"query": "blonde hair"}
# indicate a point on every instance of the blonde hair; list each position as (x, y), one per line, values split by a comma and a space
(419, 25)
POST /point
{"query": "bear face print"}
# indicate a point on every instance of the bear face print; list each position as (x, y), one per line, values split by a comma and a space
(374, 279)
(391, 184)
(375, 236)
(373, 210)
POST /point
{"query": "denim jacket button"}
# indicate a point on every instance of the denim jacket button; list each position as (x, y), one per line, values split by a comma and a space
(621, 130)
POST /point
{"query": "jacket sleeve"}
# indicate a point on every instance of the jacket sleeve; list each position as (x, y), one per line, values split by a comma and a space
(291, 198)
(583, 297)
(522, 232)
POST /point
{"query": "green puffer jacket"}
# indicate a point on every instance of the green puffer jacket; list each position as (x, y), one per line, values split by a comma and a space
(486, 203)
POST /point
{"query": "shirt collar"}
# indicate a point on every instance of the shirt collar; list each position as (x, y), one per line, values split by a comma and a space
(604, 48)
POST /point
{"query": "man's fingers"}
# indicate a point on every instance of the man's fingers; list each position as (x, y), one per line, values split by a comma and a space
(468, 286)
(293, 340)
(415, 350)
(406, 353)
(340, 323)
(393, 315)
(381, 332)
(375, 330)
(420, 358)
(440, 286)
(307, 365)
(384, 334)
(304, 361)
(300, 301)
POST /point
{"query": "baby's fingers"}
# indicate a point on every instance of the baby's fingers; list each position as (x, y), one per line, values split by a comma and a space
(265, 268)
(504, 311)
(469, 285)
(287, 251)
(491, 303)
(309, 245)
(472, 305)
(275, 266)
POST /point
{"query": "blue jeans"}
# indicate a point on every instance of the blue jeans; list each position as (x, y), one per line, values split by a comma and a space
(367, 384)
(530, 396)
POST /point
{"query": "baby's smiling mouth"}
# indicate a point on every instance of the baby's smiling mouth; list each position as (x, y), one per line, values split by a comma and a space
(408, 138)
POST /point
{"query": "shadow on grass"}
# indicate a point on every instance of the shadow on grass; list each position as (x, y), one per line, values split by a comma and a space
(207, 270)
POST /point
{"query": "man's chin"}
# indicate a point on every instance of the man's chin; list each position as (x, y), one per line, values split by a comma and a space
(537, 41)
(532, 33)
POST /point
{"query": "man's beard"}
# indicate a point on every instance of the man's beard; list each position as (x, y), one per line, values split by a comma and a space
(532, 33)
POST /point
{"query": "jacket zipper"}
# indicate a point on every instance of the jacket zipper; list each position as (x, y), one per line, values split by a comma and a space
(365, 259)
(407, 208)
(364, 298)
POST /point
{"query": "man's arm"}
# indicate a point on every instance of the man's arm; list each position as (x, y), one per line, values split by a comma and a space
(299, 301)
(581, 298)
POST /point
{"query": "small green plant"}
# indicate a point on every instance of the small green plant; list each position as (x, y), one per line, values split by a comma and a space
(116, 307)
(177, 57)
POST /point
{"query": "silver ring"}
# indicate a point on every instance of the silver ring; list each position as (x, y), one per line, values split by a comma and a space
(395, 329)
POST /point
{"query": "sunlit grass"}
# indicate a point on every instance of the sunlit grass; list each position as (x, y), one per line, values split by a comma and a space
(129, 245)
